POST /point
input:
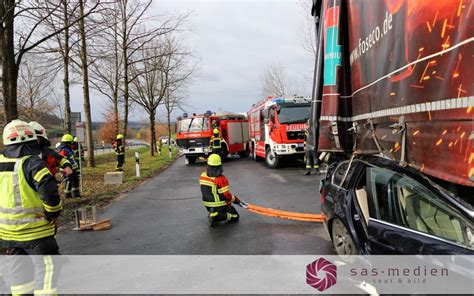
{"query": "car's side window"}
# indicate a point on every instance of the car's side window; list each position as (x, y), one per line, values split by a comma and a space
(427, 213)
(401, 200)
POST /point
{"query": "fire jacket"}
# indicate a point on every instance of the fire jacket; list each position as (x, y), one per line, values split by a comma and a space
(29, 199)
(215, 191)
(67, 152)
(54, 160)
(119, 148)
(216, 142)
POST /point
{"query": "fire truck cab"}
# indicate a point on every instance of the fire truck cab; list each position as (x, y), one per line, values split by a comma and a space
(277, 128)
(194, 133)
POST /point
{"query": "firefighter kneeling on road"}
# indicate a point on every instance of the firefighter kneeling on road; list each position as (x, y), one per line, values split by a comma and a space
(29, 208)
(216, 196)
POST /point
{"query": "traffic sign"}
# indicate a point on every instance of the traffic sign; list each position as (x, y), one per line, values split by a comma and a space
(80, 131)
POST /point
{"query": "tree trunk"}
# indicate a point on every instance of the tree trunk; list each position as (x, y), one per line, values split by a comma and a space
(117, 79)
(85, 88)
(10, 68)
(126, 91)
(67, 94)
(169, 134)
(152, 134)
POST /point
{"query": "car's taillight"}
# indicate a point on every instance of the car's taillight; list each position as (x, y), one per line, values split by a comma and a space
(322, 196)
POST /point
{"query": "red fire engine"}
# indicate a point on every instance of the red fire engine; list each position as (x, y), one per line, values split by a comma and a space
(193, 135)
(277, 128)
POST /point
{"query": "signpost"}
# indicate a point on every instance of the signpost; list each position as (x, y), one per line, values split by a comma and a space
(137, 163)
(80, 139)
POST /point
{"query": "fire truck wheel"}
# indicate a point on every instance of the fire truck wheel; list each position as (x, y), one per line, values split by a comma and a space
(271, 159)
(191, 159)
(244, 154)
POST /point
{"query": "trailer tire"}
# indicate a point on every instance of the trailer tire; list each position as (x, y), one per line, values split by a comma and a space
(191, 159)
(272, 160)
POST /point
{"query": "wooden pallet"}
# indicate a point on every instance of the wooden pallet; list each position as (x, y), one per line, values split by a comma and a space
(87, 219)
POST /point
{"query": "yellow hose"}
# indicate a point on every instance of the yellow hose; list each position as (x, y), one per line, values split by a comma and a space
(286, 215)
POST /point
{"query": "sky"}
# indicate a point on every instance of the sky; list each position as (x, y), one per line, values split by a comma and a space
(234, 42)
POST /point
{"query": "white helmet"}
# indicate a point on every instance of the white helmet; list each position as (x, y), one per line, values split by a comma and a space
(40, 131)
(18, 131)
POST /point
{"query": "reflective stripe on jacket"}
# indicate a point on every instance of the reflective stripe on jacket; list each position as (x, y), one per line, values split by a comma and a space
(22, 212)
(215, 191)
(216, 143)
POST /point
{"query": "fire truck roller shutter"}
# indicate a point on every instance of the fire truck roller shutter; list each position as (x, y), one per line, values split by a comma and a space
(245, 131)
(234, 133)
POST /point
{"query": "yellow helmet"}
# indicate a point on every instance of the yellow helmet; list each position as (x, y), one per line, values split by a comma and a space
(216, 131)
(75, 139)
(119, 136)
(18, 131)
(67, 138)
(214, 160)
(40, 131)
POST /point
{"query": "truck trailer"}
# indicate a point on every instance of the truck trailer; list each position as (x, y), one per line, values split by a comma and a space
(277, 127)
(393, 78)
(194, 133)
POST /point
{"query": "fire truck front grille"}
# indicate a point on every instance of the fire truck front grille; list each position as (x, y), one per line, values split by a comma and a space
(193, 142)
(297, 135)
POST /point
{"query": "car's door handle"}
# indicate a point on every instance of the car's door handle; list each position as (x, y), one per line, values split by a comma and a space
(387, 245)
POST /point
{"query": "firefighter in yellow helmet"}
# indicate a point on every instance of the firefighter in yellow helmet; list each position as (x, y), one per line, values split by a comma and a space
(29, 208)
(119, 149)
(216, 142)
(71, 189)
(216, 196)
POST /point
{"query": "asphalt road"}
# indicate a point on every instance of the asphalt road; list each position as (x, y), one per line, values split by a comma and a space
(165, 216)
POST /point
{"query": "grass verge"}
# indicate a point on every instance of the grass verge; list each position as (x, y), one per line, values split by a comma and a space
(96, 193)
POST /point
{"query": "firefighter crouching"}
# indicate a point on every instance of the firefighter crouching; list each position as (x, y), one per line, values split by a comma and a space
(216, 196)
(71, 189)
(29, 208)
(312, 160)
(119, 152)
(51, 158)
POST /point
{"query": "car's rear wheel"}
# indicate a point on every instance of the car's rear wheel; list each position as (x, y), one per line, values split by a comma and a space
(342, 240)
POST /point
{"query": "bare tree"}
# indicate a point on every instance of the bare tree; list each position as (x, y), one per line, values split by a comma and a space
(274, 81)
(85, 86)
(34, 91)
(150, 84)
(171, 102)
(308, 35)
(106, 71)
(133, 37)
(16, 42)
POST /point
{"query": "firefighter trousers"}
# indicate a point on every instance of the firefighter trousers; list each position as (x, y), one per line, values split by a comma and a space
(120, 162)
(31, 266)
(312, 161)
(71, 189)
(225, 213)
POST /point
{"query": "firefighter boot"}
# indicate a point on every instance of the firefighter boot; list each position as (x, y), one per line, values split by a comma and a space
(307, 173)
(211, 218)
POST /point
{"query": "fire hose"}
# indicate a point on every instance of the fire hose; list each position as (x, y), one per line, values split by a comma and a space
(318, 218)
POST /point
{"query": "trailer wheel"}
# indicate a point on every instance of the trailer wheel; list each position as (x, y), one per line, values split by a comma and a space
(190, 159)
(271, 159)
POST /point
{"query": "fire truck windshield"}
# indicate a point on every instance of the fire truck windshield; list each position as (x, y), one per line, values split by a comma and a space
(293, 114)
(193, 125)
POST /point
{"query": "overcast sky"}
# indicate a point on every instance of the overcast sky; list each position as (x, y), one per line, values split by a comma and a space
(234, 42)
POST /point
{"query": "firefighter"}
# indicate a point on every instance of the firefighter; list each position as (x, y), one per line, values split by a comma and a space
(29, 209)
(216, 142)
(77, 152)
(72, 184)
(52, 159)
(216, 196)
(119, 152)
(312, 160)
